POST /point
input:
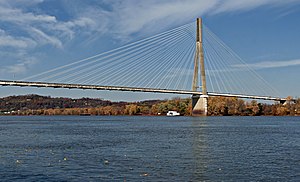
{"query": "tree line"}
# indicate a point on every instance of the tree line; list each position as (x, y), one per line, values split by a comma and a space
(217, 106)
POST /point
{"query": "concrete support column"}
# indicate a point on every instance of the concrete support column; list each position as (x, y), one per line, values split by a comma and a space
(199, 105)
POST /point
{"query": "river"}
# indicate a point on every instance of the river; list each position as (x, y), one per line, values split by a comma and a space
(125, 148)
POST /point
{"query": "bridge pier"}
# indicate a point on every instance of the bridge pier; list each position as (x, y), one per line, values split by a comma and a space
(199, 105)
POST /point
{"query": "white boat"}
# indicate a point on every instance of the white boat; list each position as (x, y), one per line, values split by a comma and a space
(173, 113)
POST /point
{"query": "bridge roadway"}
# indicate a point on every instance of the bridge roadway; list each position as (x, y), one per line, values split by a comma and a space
(131, 89)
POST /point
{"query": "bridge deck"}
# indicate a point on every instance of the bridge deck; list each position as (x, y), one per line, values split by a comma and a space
(131, 89)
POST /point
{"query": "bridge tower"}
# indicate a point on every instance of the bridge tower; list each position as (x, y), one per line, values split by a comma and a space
(199, 102)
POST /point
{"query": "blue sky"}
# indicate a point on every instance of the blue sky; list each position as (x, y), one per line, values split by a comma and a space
(37, 35)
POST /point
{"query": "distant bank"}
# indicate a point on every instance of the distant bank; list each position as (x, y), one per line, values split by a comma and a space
(217, 106)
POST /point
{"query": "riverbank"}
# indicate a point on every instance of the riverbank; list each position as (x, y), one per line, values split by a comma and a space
(217, 106)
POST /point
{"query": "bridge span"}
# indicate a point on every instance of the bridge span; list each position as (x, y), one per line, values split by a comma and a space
(132, 89)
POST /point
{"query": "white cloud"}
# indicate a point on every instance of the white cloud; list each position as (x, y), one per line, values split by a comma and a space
(22, 3)
(134, 16)
(19, 68)
(16, 42)
(13, 15)
(23, 30)
(20, 62)
(271, 64)
(121, 18)
(41, 27)
(242, 5)
(43, 38)
(69, 28)
(124, 18)
(24, 21)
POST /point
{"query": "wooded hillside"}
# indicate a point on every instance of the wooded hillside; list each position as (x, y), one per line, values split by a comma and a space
(217, 106)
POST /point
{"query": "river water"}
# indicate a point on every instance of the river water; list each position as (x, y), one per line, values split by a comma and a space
(123, 148)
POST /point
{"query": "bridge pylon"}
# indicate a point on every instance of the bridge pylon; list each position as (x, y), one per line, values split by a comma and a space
(199, 102)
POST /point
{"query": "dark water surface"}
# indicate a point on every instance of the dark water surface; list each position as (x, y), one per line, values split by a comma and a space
(68, 148)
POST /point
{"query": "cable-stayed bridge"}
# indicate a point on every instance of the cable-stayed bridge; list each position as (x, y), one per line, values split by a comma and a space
(130, 89)
(189, 59)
